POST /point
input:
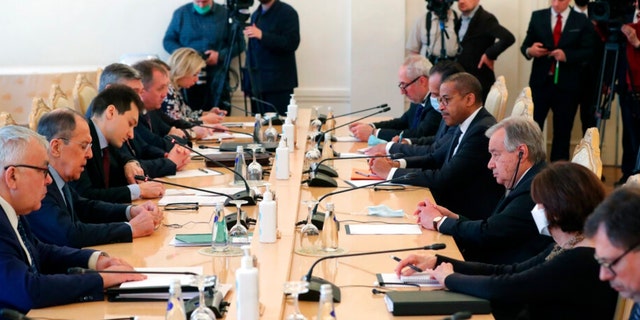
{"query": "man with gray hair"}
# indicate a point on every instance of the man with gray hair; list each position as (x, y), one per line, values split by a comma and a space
(421, 120)
(33, 273)
(509, 234)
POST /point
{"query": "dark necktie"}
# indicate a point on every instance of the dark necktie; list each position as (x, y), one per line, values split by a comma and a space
(105, 166)
(27, 244)
(147, 118)
(454, 143)
(557, 32)
(69, 200)
(635, 312)
(417, 117)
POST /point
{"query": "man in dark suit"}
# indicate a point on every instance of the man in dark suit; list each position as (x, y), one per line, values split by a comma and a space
(558, 53)
(274, 36)
(34, 273)
(478, 31)
(509, 234)
(457, 169)
(65, 218)
(115, 113)
(422, 118)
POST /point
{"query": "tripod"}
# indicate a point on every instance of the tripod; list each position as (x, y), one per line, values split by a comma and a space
(607, 89)
(234, 34)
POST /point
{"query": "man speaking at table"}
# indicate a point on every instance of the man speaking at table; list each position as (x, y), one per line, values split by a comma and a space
(455, 172)
(509, 234)
(32, 273)
(65, 218)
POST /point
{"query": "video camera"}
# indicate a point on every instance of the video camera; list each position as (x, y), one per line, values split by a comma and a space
(612, 11)
(440, 7)
(239, 10)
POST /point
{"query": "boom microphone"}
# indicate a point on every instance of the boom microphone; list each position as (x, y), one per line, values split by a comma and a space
(246, 195)
(229, 218)
(315, 282)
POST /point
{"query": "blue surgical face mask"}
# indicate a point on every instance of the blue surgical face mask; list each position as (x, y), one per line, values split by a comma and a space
(434, 103)
(202, 10)
(540, 218)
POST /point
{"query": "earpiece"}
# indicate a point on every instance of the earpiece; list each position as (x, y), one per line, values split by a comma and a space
(376, 291)
(520, 153)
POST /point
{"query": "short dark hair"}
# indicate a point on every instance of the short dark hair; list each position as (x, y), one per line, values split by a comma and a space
(118, 95)
(116, 72)
(146, 68)
(569, 192)
(466, 83)
(58, 124)
(446, 68)
(619, 214)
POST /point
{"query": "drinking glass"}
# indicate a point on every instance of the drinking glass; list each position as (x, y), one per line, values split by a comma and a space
(309, 234)
(238, 233)
(254, 170)
(202, 312)
(294, 288)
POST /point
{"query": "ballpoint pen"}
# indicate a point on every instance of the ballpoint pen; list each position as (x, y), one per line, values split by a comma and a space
(400, 136)
(365, 174)
(203, 170)
(412, 266)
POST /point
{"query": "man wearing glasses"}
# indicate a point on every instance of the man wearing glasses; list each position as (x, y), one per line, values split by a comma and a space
(67, 219)
(422, 118)
(33, 273)
(458, 167)
(614, 227)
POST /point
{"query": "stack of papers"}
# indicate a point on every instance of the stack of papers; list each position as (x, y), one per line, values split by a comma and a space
(392, 280)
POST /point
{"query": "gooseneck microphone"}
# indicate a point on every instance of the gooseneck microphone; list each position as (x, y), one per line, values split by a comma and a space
(246, 195)
(320, 137)
(271, 105)
(315, 282)
(230, 218)
(359, 111)
(332, 173)
(78, 270)
(235, 107)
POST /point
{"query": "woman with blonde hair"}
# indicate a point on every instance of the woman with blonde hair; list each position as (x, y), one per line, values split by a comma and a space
(185, 65)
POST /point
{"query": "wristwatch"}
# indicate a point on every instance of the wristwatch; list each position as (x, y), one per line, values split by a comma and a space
(436, 220)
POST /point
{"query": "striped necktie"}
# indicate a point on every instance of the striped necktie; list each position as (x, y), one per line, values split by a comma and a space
(28, 245)
(635, 312)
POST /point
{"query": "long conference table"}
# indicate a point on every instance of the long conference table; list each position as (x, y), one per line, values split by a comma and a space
(278, 262)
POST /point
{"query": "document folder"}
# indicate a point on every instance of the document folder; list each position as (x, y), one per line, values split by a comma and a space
(437, 302)
(150, 293)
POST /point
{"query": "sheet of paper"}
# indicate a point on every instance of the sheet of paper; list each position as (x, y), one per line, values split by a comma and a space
(189, 192)
(201, 200)
(160, 280)
(226, 135)
(205, 152)
(350, 155)
(391, 280)
(237, 124)
(387, 229)
(201, 172)
(346, 139)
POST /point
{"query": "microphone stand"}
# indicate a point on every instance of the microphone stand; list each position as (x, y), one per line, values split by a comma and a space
(315, 282)
(322, 176)
(246, 195)
(229, 218)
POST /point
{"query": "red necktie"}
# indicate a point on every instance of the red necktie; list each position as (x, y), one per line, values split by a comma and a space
(557, 32)
(105, 166)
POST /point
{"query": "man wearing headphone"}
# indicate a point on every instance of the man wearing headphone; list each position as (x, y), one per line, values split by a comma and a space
(509, 234)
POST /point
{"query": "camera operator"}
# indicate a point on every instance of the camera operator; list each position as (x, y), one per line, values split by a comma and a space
(629, 95)
(202, 25)
(431, 30)
(274, 36)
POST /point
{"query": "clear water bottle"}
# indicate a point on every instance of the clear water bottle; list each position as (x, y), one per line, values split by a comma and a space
(219, 232)
(325, 306)
(240, 166)
(175, 306)
(329, 234)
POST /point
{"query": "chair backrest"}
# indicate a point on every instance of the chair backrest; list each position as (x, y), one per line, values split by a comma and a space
(496, 102)
(524, 104)
(98, 75)
(38, 109)
(587, 152)
(6, 119)
(58, 99)
(83, 92)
